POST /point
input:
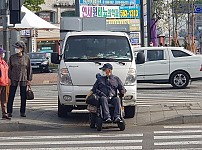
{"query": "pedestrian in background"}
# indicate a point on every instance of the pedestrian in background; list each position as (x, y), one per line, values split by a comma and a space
(151, 44)
(20, 73)
(4, 81)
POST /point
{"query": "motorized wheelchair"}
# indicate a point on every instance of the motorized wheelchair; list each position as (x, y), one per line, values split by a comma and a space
(96, 119)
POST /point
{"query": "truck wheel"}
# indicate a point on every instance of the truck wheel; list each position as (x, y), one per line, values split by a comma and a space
(129, 111)
(179, 79)
(62, 110)
(121, 125)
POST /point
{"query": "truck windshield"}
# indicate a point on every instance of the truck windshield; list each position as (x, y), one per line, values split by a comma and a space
(97, 48)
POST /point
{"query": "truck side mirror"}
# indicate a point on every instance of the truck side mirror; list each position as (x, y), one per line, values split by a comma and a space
(140, 59)
(55, 58)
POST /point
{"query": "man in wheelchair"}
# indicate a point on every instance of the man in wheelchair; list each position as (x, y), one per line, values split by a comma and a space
(106, 87)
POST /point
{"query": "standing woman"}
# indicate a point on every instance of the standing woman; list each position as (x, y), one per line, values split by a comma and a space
(3, 83)
(20, 73)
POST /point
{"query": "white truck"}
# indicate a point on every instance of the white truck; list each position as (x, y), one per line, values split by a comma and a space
(82, 54)
(173, 65)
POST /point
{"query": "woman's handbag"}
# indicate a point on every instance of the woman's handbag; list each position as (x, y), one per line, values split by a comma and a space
(30, 93)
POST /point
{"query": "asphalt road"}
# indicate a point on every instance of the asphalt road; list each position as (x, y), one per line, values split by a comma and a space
(76, 134)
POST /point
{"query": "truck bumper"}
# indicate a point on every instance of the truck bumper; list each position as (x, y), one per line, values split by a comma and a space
(75, 95)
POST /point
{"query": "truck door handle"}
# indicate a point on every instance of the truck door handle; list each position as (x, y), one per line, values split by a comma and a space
(163, 62)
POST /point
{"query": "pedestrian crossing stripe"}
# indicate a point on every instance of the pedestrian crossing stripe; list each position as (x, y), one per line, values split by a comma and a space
(178, 131)
(178, 137)
(70, 142)
(178, 143)
(182, 149)
(90, 148)
(183, 127)
(81, 142)
(182, 138)
(69, 136)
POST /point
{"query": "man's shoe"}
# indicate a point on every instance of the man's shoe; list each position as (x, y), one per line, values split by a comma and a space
(117, 119)
(10, 115)
(108, 120)
(23, 115)
(5, 117)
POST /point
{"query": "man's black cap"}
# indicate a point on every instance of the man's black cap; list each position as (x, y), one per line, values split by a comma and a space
(19, 44)
(106, 66)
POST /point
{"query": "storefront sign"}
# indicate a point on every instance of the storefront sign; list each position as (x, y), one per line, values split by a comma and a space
(134, 23)
(134, 38)
(109, 2)
(110, 11)
(129, 12)
(25, 33)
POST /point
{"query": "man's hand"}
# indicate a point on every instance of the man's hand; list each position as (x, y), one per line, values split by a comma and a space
(28, 83)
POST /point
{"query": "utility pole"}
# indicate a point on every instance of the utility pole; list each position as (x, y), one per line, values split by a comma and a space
(142, 22)
(149, 2)
(5, 29)
(168, 23)
(173, 21)
(193, 27)
(189, 40)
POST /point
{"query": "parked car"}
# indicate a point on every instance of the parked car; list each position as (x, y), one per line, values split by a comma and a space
(39, 61)
(173, 65)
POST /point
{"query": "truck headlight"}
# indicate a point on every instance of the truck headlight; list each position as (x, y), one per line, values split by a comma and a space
(65, 78)
(131, 77)
(44, 63)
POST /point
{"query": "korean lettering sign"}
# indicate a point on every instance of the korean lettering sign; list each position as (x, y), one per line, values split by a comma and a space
(129, 12)
(108, 2)
(110, 11)
(100, 11)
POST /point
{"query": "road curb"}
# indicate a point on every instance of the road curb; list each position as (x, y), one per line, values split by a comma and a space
(182, 119)
(13, 126)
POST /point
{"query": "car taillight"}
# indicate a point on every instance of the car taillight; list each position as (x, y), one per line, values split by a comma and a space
(201, 68)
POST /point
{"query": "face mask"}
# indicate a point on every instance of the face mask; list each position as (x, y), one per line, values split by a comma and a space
(3, 55)
(17, 50)
(104, 73)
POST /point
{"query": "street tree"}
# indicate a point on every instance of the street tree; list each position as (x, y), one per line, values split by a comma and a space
(34, 5)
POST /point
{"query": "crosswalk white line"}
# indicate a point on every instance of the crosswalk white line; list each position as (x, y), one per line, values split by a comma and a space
(69, 142)
(178, 131)
(177, 137)
(89, 148)
(182, 149)
(69, 137)
(178, 143)
(183, 127)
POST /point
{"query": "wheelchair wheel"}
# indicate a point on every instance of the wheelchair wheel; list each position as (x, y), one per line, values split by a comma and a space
(99, 124)
(121, 125)
(92, 120)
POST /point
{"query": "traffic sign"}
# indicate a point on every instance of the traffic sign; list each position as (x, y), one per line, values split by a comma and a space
(185, 8)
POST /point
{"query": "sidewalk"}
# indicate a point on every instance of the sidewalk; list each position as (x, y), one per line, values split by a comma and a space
(44, 78)
(169, 114)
